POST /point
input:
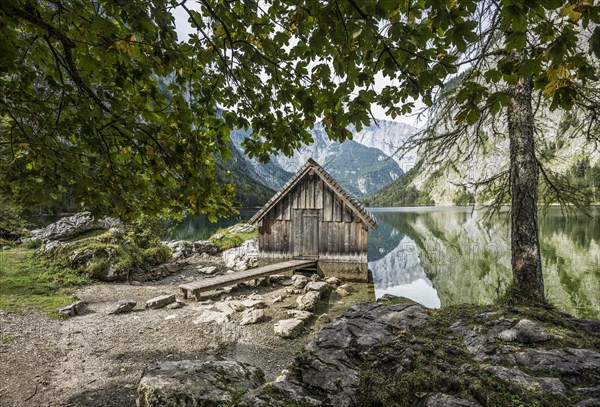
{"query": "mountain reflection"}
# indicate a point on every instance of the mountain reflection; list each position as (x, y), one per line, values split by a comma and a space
(445, 256)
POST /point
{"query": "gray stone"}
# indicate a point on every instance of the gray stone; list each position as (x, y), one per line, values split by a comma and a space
(289, 328)
(71, 226)
(242, 257)
(333, 281)
(176, 305)
(347, 287)
(445, 400)
(320, 286)
(342, 292)
(181, 249)
(251, 316)
(208, 270)
(588, 403)
(205, 246)
(323, 319)
(276, 278)
(122, 307)
(228, 307)
(308, 301)
(546, 385)
(80, 257)
(76, 308)
(277, 299)
(325, 364)
(299, 281)
(561, 361)
(160, 301)
(525, 331)
(249, 303)
(212, 316)
(195, 383)
(303, 315)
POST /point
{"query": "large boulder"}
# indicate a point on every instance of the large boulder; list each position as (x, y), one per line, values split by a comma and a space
(188, 383)
(69, 227)
(160, 301)
(289, 328)
(308, 301)
(242, 257)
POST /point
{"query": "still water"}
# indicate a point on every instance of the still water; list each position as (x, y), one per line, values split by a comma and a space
(439, 256)
(444, 256)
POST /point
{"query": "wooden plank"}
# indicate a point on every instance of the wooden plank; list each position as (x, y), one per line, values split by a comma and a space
(310, 194)
(347, 212)
(327, 205)
(346, 237)
(288, 207)
(318, 193)
(337, 216)
(209, 284)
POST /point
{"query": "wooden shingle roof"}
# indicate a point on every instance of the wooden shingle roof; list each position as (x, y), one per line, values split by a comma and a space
(354, 204)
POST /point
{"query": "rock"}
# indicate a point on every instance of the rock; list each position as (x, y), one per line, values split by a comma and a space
(181, 249)
(242, 257)
(170, 317)
(289, 328)
(228, 307)
(333, 281)
(205, 246)
(588, 403)
(320, 286)
(276, 279)
(342, 292)
(80, 257)
(525, 331)
(122, 307)
(212, 316)
(547, 385)
(299, 281)
(160, 301)
(76, 308)
(249, 303)
(308, 301)
(286, 282)
(315, 277)
(325, 364)
(208, 270)
(6, 247)
(445, 400)
(347, 287)
(217, 236)
(251, 316)
(176, 305)
(71, 226)
(323, 319)
(303, 315)
(277, 299)
(563, 361)
(195, 383)
(117, 232)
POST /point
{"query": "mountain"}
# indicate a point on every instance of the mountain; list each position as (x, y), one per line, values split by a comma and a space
(237, 170)
(362, 165)
(558, 145)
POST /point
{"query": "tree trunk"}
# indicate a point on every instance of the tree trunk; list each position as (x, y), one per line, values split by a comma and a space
(525, 248)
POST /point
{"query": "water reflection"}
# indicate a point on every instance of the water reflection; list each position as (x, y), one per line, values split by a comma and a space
(444, 256)
(194, 228)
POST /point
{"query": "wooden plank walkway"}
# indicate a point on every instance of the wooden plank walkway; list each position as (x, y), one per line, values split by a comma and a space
(209, 284)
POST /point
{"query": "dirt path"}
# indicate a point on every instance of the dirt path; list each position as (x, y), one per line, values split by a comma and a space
(96, 359)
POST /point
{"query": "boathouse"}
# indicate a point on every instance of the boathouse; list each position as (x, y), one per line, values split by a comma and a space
(313, 218)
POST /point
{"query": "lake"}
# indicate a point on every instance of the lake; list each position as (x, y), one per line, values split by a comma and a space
(439, 256)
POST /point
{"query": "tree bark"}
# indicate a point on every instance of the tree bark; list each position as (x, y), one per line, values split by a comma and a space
(526, 262)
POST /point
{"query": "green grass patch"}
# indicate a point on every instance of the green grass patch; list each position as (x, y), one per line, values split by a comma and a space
(231, 238)
(31, 283)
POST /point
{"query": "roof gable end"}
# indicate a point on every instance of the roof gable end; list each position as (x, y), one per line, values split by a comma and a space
(354, 204)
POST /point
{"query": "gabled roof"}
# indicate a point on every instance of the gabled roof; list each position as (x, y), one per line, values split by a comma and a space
(354, 204)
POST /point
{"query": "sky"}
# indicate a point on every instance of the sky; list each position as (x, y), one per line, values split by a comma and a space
(184, 29)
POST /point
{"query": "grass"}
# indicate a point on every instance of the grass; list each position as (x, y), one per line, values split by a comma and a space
(231, 239)
(29, 283)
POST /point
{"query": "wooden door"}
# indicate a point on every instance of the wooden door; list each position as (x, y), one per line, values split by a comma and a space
(306, 233)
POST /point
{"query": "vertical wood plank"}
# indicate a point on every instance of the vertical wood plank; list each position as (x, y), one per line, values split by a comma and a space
(310, 192)
(327, 205)
(319, 193)
(347, 214)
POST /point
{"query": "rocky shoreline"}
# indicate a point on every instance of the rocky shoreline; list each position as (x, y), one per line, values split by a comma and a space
(397, 352)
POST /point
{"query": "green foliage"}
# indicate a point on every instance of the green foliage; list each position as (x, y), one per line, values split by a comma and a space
(30, 282)
(228, 238)
(12, 225)
(400, 193)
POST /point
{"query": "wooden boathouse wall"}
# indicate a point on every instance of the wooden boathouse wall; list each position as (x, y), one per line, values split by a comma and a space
(314, 218)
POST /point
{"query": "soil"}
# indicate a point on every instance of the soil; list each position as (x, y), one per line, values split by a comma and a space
(96, 359)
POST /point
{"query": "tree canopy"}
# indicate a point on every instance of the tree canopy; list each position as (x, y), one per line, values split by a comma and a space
(102, 101)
